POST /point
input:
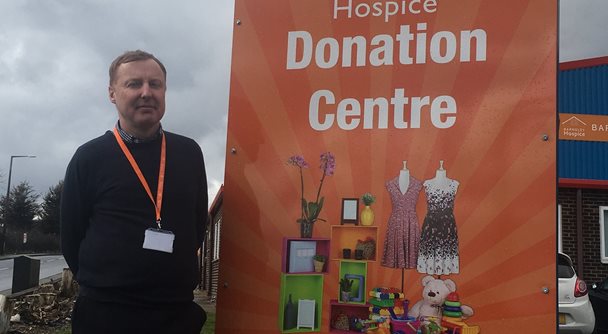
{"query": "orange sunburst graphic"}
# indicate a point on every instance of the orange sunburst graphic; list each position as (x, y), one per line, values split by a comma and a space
(504, 207)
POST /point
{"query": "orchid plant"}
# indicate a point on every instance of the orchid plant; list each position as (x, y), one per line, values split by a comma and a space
(311, 210)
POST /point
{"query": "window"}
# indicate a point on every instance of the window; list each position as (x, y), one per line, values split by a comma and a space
(216, 239)
(604, 234)
(559, 229)
(564, 267)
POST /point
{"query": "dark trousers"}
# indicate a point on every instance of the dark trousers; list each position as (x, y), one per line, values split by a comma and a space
(93, 317)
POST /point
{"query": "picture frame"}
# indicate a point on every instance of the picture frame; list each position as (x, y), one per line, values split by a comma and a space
(306, 313)
(350, 211)
(300, 256)
(357, 294)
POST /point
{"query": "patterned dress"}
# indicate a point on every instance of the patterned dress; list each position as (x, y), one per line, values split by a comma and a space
(438, 253)
(403, 232)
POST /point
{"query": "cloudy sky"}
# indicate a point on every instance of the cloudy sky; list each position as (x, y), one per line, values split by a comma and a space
(54, 56)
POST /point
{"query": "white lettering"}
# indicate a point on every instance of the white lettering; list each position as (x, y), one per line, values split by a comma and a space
(421, 44)
(313, 110)
(411, 48)
(392, 8)
(597, 127)
(348, 108)
(377, 8)
(385, 9)
(333, 55)
(347, 8)
(349, 43)
(450, 47)
(292, 42)
(376, 111)
(404, 38)
(368, 112)
(411, 7)
(417, 104)
(362, 13)
(438, 109)
(383, 54)
(480, 47)
(399, 101)
(430, 6)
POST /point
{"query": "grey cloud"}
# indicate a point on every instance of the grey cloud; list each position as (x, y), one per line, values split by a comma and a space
(54, 56)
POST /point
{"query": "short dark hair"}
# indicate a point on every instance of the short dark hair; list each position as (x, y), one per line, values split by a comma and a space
(130, 56)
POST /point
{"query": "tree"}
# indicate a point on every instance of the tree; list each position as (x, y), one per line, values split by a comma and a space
(49, 214)
(19, 211)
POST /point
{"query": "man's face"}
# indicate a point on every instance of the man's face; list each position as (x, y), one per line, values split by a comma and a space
(138, 92)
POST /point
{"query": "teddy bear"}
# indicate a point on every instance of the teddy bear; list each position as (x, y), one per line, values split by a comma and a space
(434, 294)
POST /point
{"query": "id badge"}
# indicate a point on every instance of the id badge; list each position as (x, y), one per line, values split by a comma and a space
(159, 240)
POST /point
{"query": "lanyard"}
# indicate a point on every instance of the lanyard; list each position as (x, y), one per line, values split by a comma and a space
(161, 173)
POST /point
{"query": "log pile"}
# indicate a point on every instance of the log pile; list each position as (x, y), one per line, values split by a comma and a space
(50, 305)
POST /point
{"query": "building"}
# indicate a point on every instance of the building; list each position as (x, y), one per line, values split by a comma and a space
(210, 262)
(583, 165)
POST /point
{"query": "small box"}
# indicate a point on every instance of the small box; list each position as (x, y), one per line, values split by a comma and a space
(26, 273)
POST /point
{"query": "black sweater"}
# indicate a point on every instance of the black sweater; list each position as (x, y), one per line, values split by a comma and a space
(105, 212)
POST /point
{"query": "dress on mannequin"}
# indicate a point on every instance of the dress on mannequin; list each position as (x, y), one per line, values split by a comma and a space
(438, 253)
(403, 232)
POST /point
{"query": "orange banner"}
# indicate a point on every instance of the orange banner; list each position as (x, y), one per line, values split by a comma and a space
(583, 127)
(438, 110)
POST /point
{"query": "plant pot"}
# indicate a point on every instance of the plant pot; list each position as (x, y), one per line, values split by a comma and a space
(345, 296)
(367, 216)
(346, 253)
(318, 266)
(358, 254)
(306, 228)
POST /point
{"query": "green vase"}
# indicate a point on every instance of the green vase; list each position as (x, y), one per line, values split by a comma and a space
(306, 229)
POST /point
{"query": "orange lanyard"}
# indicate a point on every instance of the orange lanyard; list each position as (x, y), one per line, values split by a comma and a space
(161, 173)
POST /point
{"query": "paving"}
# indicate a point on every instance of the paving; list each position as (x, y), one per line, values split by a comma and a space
(201, 297)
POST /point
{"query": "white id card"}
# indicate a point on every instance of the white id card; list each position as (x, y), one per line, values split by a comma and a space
(160, 240)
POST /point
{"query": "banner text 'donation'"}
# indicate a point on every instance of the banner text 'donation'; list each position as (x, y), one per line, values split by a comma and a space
(412, 45)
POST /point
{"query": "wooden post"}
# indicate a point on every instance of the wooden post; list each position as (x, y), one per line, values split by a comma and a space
(6, 309)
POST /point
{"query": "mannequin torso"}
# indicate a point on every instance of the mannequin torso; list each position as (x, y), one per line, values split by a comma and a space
(404, 178)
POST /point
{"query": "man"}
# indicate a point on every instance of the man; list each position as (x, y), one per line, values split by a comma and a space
(134, 212)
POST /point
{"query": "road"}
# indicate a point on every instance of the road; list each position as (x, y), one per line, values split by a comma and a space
(50, 265)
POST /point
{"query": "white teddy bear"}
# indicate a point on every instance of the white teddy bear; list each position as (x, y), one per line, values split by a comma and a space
(434, 294)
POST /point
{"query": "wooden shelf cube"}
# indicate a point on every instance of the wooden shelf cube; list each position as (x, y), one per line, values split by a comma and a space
(301, 286)
(321, 246)
(360, 311)
(346, 236)
(357, 272)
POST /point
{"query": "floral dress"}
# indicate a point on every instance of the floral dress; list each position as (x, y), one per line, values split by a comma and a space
(403, 232)
(438, 253)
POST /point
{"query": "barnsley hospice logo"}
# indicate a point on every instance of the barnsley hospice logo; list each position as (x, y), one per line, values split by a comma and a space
(573, 128)
(583, 127)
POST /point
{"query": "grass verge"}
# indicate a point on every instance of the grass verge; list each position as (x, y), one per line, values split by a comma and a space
(209, 327)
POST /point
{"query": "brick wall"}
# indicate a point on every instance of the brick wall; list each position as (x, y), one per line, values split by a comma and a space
(592, 199)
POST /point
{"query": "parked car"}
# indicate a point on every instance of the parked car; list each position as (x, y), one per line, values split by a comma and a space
(598, 295)
(575, 311)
